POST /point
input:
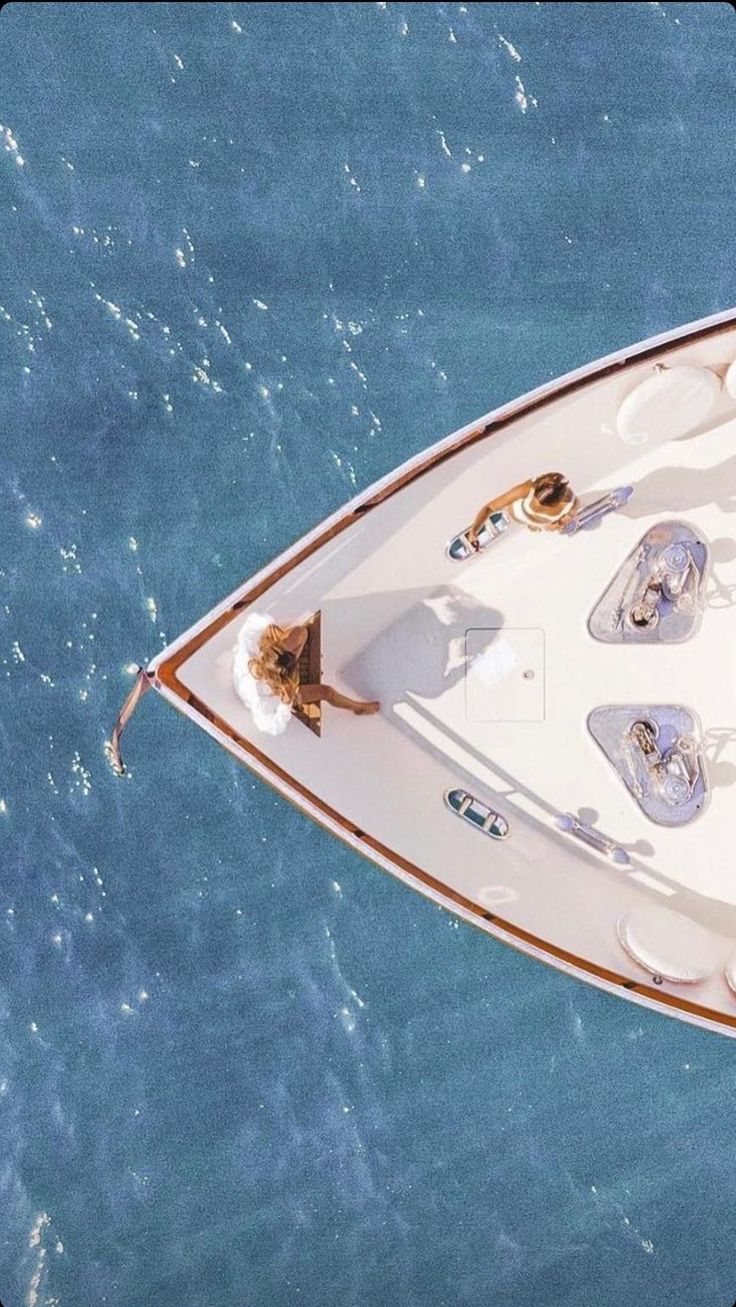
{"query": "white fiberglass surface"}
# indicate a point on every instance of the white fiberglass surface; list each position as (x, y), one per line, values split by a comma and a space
(396, 613)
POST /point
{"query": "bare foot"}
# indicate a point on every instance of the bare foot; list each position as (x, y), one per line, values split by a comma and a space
(366, 709)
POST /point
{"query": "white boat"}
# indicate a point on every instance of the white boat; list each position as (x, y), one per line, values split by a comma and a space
(555, 754)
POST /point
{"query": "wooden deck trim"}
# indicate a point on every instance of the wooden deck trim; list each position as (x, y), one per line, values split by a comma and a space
(310, 673)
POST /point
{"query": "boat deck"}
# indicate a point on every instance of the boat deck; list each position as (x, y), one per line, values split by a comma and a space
(486, 673)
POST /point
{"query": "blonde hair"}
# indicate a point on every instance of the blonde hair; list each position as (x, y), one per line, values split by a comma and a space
(276, 665)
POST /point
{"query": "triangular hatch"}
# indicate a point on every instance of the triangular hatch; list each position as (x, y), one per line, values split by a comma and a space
(656, 751)
(657, 596)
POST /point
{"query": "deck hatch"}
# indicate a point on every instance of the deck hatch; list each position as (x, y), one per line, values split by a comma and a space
(504, 675)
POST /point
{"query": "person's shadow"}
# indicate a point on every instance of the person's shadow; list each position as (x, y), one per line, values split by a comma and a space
(422, 651)
(720, 593)
(679, 489)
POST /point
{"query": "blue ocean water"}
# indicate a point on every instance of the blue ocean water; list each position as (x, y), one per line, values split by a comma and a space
(252, 257)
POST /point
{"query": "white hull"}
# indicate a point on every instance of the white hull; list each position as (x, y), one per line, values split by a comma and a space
(403, 623)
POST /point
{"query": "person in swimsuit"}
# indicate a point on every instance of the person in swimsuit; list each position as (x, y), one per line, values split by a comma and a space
(544, 503)
(266, 675)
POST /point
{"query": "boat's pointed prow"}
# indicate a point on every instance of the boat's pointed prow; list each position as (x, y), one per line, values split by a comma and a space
(143, 682)
(559, 682)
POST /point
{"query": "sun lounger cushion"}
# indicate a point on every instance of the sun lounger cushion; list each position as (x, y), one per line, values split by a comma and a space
(730, 973)
(669, 945)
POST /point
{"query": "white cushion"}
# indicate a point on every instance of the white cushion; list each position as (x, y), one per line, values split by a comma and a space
(669, 403)
(730, 973)
(669, 945)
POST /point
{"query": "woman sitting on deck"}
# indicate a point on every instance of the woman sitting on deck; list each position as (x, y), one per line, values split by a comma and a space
(266, 675)
(544, 503)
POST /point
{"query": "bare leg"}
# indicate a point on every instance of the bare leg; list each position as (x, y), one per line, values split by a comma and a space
(296, 639)
(327, 694)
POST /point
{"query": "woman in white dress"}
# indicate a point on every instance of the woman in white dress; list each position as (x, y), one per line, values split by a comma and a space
(544, 503)
(266, 674)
